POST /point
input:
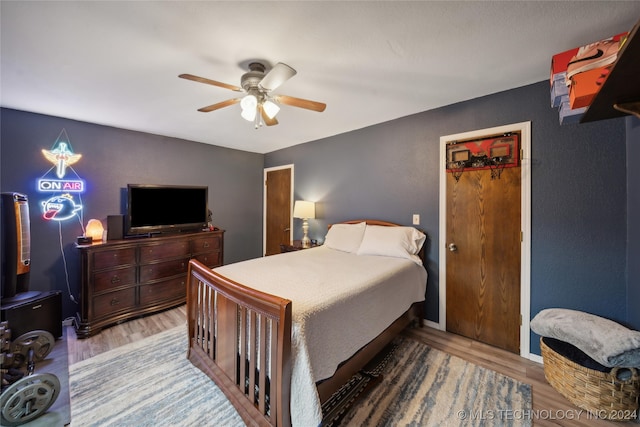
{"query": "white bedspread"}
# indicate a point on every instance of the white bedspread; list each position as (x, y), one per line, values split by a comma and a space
(340, 302)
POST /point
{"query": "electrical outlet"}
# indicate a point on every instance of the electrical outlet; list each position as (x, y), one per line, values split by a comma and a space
(416, 219)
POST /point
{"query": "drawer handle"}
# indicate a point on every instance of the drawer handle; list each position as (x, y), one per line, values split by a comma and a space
(205, 245)
(114, 280)
(115, 301)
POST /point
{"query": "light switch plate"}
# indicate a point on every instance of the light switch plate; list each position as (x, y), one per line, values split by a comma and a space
(416, 219)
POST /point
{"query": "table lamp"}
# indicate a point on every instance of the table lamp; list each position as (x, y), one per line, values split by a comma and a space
(305, 210)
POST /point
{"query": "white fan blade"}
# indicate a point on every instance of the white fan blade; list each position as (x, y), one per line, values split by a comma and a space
(279, 74)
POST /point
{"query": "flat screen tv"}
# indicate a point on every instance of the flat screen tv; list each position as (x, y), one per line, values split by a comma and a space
(165, 208)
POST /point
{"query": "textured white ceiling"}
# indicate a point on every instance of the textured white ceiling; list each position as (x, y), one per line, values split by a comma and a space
(117, 62)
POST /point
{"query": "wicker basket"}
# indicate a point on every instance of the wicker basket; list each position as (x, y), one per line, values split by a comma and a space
(600, 393)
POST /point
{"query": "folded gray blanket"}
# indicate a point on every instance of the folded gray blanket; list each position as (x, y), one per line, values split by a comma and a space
(604, 340)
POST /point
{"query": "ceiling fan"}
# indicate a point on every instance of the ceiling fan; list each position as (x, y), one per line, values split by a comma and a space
(259, 105)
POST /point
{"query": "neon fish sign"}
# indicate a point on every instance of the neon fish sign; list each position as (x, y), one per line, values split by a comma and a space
(60, 208)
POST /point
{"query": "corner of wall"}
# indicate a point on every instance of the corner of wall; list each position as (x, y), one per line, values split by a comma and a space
(633, 227)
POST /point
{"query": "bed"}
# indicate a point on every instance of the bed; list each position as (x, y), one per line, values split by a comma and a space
(277, 358)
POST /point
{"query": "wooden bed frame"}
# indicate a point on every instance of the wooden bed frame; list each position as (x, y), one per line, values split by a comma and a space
(229, 322)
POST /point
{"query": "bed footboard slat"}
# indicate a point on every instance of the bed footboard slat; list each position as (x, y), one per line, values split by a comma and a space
(243, 344)
(275, 401)
(241, 338)
(262, 354)
(252, 358)
(226, 349)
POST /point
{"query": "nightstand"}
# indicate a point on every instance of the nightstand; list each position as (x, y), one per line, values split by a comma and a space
(297, 245)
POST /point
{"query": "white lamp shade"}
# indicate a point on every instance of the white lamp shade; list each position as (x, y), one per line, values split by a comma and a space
(249, 104)
(248, 114)
(270, 109)
(304, 209)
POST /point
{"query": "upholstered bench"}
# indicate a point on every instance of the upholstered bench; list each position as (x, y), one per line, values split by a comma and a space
(594, 362)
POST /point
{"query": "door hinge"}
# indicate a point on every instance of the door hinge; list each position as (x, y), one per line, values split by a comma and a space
(521, 236)
(521, 320)
(521, 154)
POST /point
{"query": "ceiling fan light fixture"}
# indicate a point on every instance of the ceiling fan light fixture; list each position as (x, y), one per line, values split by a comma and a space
(270, 108)
(248, 114)
(259, 105)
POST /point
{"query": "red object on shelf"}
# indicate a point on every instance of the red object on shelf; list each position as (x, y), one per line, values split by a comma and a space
(560, 62)
(585, 86)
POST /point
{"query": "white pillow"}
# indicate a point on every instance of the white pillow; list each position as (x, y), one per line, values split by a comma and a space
(398, 242)
(345, 237)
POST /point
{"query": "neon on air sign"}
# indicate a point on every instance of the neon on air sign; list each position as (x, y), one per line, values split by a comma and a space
(62, 205)
(70, 186)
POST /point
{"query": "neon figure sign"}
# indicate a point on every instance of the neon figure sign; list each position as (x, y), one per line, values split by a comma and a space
(62, 205)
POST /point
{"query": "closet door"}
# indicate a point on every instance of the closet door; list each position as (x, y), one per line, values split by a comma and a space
(483, 258)
(278, 185)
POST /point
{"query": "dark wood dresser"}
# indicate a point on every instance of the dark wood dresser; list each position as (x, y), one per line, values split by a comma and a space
(123, 279)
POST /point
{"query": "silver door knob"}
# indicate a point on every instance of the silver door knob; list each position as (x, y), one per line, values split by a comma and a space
(453, 247)
(286, 229)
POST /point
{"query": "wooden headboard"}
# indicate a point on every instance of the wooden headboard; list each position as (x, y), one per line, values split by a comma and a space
(371, 222)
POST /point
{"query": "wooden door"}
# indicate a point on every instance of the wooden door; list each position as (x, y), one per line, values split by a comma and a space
(483, 265)
(277, 210)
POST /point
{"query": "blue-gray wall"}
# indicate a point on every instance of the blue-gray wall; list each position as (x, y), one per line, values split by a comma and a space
(112, 158)
(579, 192)
(585, 236)
(633, 221)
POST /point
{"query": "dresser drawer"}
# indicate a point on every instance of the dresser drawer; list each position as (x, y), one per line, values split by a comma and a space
(164, 250)
(107, 304)
(164, 269)
(113, 278)
(211, 259)
(114, 258)
(209, 243)
(163, 291)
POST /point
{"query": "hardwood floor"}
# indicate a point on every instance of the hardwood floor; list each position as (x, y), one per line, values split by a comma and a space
(550, 408)
(124, 333)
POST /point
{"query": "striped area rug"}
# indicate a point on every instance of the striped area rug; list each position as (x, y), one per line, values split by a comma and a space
(421, 386)
(151, 383)
(147, 383)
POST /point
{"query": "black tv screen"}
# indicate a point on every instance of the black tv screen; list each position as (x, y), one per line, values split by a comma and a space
(164, 208)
